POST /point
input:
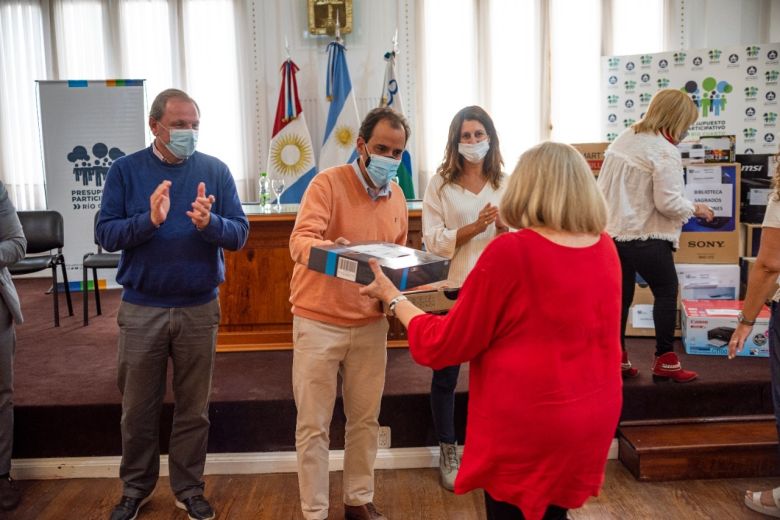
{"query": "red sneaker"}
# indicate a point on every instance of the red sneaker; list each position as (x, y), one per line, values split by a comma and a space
(667, 366)
(625, 367)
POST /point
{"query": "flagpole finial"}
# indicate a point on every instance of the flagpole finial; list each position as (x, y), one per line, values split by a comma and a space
(395, 41)
(338, 28)
(286, 46)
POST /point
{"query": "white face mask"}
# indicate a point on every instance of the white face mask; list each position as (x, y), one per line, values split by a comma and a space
(474, 153)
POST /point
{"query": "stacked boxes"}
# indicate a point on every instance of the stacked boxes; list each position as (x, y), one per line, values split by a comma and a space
(697, 282)
(708, 326)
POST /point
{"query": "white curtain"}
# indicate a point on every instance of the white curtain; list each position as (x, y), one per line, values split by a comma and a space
(533, 65)
(194, 45)
(22, 61)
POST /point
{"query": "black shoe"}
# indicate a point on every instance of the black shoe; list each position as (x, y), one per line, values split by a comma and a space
(197, 507)
(9, 494)
(128, 507)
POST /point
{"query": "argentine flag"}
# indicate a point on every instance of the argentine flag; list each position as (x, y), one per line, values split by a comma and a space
(290, 154)
(341, 128)
(391, 97)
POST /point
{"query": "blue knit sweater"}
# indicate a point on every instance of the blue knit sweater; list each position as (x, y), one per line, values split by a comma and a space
(174, 265)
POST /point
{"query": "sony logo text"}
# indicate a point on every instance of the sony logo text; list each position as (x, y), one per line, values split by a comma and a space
(706, 243)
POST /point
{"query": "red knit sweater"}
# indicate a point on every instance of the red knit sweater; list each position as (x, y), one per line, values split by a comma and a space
(540, 323)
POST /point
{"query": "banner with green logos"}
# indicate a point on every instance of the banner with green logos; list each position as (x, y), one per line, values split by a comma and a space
(736, 90)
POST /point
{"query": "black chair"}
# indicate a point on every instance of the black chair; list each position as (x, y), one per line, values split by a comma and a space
(95, 261)
(44, 231)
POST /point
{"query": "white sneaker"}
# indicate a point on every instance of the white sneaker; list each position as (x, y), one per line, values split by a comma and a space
(448, 464)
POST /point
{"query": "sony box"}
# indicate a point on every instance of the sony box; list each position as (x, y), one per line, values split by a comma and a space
(404, 266)
(716, 242)
(708, 325)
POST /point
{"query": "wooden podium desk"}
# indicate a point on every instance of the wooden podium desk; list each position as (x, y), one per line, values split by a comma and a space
(255, 296)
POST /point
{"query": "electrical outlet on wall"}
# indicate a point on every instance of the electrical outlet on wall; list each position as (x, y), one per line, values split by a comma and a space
(383, 440)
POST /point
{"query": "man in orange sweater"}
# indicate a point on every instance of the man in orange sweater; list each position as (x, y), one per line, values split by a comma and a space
(335, 329)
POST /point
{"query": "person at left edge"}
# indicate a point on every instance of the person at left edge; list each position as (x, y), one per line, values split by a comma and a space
(171, 210)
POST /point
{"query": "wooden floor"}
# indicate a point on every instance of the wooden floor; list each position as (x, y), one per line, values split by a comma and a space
(401, 494)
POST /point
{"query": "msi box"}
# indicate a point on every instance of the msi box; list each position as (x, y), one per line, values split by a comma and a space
(707, 326)
(756, 185)
(404, 266)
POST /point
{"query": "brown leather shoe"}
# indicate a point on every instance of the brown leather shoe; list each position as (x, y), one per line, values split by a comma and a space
(364, 512)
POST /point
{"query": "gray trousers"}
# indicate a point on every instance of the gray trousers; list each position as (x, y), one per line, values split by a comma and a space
(148, 336)
(7, 348)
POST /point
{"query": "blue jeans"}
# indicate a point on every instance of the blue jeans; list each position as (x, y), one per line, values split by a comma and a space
(443, 403)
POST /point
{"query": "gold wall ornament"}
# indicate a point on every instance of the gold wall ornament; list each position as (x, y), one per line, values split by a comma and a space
(323, 15)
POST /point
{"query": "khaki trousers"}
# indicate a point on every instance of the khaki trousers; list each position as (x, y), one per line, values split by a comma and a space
(321, 352)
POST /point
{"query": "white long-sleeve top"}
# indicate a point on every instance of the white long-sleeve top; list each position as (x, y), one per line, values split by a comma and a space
(642, 181)
(447, 209)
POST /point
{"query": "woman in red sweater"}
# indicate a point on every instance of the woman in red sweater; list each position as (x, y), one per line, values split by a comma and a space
(539, 319)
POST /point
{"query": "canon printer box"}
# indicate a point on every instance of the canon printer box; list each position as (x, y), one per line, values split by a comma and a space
(404, 266)
(707, 326)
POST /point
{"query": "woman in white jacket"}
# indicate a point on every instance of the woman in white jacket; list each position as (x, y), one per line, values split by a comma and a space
(460, 217)
(642, 181)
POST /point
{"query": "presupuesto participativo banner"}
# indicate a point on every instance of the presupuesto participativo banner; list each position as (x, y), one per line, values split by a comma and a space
(85, 127)
(736, 90)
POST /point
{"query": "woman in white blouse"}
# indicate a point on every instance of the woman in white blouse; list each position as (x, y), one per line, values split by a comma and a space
(642, 181)
(459, 218)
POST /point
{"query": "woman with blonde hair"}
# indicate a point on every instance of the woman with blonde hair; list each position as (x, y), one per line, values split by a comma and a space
(762, 285)
(545, 385)
(459, 218)
(642, 181)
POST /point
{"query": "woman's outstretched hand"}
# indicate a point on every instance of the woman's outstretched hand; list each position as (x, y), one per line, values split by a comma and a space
(381, 288)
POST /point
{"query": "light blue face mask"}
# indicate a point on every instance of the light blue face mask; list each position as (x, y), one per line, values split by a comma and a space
(381, 169)
(183, 141)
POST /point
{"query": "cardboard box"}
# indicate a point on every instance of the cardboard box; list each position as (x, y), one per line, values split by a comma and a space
(640, 314)
(708, 325)
(432, 299)
(718, 148)
(708, 281)
(755, 185)
(593, 153)
(716, 242)
(691, 153)
(404, 266)
(750, 238)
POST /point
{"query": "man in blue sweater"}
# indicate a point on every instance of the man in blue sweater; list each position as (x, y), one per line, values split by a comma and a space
(171, 210)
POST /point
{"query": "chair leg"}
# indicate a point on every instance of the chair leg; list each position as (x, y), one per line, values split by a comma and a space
(85, 293)
(97, 290)
(55, 295)
(67, 287)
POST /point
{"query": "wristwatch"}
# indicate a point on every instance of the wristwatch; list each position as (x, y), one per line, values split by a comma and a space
(743, 320)
(394, 302)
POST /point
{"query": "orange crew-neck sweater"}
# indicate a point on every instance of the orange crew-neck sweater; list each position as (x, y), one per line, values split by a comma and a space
(335, 205)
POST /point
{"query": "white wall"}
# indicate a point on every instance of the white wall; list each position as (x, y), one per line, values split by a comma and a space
(374, 24)
(697, 24)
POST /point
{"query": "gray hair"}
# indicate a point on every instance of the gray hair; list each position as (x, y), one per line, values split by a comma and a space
(159, 103)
